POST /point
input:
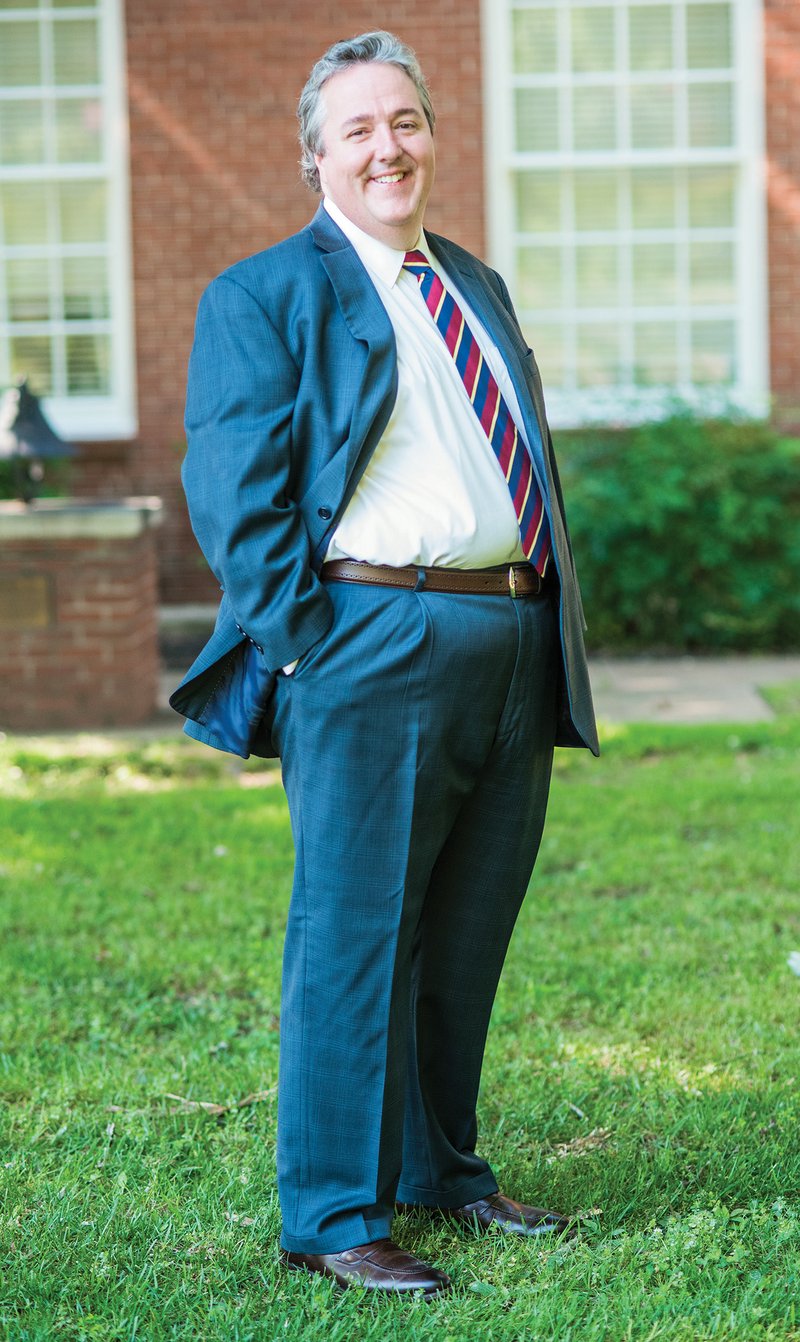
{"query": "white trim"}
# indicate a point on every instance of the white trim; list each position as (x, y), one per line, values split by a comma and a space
(570, 404)
(498, 132)
(79, 416)
(123, 353)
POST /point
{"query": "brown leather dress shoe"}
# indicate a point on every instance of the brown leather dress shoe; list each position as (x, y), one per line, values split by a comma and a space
(379, 1266)
(514, 1218)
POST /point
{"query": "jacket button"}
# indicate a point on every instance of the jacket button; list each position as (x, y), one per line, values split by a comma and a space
(325, 513)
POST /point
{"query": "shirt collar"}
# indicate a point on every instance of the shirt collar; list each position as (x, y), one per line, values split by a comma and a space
(379, 258)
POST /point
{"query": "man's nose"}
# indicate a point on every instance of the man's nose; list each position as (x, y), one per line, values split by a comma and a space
(387, 145)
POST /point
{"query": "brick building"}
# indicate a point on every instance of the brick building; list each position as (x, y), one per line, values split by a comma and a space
(632, 166)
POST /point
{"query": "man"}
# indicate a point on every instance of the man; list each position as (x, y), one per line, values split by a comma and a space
(371, 478)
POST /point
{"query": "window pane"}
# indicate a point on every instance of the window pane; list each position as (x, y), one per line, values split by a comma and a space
(655, 354)
(710, 116)
(19, 54)
(75, 51)
(538, 202)
(28, 289)
(534, 41)
(21, 132)
(82, 211)
(536, 114)
(653, 116)
(85, 287)
(594, 118)
(548, 344)
(31, 357)
(592, 39)
(595, 200)
(708, 37)
(712, 197)
(713, 351)
(655, 279)
(24, 206)
(650, 37)
(653, 197)
(78, 130)
(711, 268)
(596, 276)
(598, 355)
(539, 277)
(88, 363)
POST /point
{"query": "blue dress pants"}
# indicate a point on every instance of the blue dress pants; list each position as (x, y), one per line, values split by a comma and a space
(416, 741)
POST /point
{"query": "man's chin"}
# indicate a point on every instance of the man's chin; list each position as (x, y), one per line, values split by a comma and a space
(400, 217)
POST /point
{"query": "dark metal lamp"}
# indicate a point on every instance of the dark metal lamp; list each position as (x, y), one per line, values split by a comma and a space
(27, 440)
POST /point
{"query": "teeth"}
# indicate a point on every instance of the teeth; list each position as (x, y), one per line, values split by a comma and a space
(390, 177)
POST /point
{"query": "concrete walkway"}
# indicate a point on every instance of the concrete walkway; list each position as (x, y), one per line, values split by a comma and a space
(626, 689)
(687, 689)
(659, 689)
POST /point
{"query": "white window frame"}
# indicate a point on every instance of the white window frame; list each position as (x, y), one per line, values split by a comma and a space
(92, 418)
(573, 408)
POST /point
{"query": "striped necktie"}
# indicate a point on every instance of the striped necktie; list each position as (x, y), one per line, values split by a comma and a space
(492, 411)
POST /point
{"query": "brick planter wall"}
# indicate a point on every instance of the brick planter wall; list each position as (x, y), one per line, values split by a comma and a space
(78, 614)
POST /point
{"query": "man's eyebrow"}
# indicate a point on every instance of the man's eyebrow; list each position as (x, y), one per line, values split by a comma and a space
(367, 116)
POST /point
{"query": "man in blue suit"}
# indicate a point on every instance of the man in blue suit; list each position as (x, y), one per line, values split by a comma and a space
(371, 478)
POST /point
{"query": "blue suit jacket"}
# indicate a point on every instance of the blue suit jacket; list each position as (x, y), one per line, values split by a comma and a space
(292, 379)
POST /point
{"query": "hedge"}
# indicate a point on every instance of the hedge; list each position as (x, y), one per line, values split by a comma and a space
(686, 535)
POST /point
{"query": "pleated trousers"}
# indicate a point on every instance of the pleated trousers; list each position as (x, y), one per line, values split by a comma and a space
(416, 742)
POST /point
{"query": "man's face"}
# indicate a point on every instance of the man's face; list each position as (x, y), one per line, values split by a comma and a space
(378, 160)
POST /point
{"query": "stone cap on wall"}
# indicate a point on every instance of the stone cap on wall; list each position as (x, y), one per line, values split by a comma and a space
(67, 519)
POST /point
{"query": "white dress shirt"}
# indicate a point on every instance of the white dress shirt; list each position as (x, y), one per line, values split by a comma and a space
(433, 492)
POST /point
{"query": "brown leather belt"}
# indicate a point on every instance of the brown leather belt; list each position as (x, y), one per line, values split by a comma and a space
(515, 580)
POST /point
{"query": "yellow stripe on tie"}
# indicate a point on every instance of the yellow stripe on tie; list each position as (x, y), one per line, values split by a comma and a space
(477, 379)
(439, 306)
(490, 434)
(460, 334)
(513, 454)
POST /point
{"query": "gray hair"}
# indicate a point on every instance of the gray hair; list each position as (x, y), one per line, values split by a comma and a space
(379, 47)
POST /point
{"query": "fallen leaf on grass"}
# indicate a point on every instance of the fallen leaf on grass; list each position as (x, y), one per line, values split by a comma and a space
(209, 1107)
(579, 1146)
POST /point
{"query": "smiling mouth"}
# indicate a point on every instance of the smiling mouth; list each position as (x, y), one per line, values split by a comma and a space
(389, 178)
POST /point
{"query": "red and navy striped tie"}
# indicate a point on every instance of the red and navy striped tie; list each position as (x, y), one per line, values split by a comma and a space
(492, 411)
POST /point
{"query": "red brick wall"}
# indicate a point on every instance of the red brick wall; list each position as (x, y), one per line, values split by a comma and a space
(212, 93)
(782, 60)
(84, 651)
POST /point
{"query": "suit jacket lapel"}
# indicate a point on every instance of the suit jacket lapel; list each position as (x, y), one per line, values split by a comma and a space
(357, 296)
(368, 322)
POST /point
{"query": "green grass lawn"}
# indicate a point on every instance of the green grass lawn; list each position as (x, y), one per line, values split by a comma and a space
(643, 1067)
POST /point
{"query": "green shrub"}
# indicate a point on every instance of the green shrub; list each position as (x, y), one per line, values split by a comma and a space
(686, 534)
(54, 485)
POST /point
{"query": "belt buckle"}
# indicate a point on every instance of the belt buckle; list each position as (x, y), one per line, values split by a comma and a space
(512, 581)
